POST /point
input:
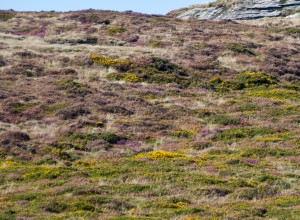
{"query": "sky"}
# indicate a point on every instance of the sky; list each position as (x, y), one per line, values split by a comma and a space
(144, 6)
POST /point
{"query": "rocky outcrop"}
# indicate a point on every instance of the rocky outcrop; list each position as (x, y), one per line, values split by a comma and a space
(247, 9)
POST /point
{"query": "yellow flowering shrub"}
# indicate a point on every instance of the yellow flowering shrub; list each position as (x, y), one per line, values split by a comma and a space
(131, 78)
(43, 172)
(279, 94)
(159, 155)
(252, 79)
(119, 64)
(245, 79)
(192, 218)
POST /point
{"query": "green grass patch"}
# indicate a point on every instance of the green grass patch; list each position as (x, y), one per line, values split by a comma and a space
(21, 107)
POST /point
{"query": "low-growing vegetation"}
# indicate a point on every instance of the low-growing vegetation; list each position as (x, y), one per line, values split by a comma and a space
(108, 115)
(5, 16)
(240, 48)
(245, 79)
(115, 30)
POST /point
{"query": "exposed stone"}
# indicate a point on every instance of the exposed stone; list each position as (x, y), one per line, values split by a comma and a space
(248, 9)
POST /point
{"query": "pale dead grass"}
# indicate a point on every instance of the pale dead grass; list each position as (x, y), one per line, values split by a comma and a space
(277, 21)
(230, 61)
(87, 75)
(38, 130)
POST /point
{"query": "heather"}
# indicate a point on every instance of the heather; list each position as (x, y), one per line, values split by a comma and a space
(107, 115)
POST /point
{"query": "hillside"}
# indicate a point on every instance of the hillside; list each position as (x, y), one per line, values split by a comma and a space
(240, 10)
(108, 115)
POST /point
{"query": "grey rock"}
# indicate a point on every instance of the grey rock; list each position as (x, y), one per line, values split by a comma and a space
(248, 9)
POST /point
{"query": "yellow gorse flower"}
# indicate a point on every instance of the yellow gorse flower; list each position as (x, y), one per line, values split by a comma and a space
(159, 155)
(105, 61)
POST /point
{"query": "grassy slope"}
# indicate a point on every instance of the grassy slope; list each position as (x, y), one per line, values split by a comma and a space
(217, 143)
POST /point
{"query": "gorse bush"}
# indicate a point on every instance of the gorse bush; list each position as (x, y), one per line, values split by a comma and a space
(151, 70)
(118, 64)
(131, 78)
(160, 155)
(245, 79)
(250, 79)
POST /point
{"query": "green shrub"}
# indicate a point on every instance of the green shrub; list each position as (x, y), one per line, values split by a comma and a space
(238, 133)
(68, 84)
(240, 48)
(27, 196)
(44, 172)
(50, 161)
(223, 120)
(220, 85)
(111, 138)
(265, 152)
(5, 16)
(164, 65)
(115, 30)
(8, 215)
(79, 141)
(250, 79)
(245, 79)
(249, 107)
(55, 207)
(81, 206)
(73, 88)
(153, 70)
